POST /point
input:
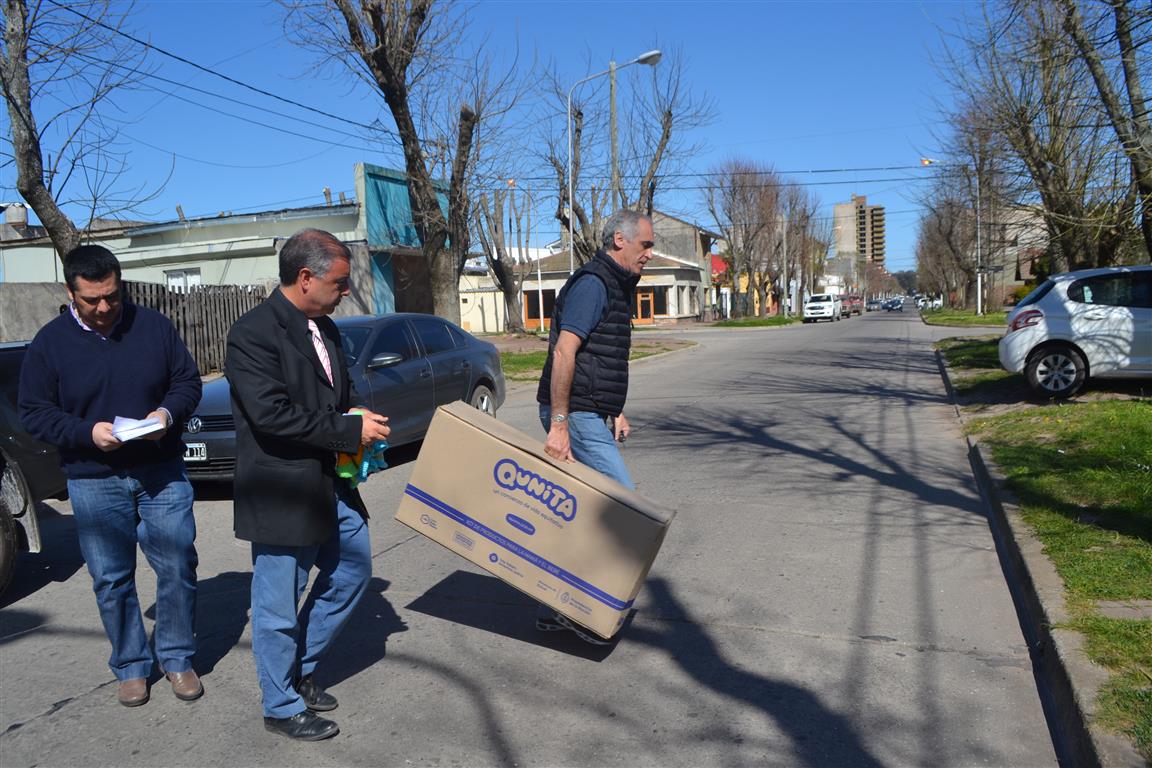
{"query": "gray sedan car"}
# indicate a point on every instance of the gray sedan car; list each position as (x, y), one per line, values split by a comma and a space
(403, 366)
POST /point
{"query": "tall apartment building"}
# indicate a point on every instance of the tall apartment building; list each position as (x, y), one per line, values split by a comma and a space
(859, 229)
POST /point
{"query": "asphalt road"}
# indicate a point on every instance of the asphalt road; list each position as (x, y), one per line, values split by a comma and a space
(828, 595)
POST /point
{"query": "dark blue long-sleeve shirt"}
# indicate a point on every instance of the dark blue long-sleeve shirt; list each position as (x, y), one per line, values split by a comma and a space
(72, 378)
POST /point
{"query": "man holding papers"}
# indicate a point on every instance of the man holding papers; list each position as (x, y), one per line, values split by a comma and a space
(88, 375)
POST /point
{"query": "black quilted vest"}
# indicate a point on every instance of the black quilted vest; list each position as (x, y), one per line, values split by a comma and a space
(600, 383)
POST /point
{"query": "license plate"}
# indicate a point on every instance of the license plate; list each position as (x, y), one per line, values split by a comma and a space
(195, 452)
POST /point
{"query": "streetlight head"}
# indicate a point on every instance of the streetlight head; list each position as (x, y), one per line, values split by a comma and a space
(928, 161)
(651, 58)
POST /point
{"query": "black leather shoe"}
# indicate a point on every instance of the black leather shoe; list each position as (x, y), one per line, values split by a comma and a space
(315, 698)
(305, 726)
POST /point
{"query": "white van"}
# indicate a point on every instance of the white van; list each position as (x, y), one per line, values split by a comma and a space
(822, 306)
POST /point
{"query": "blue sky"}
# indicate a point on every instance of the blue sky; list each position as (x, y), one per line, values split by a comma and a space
(804, 86)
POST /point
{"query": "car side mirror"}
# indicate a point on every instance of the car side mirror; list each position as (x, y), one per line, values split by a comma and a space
(385, 360)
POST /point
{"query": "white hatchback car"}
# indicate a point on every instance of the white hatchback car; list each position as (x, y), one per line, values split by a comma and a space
(1092, 322)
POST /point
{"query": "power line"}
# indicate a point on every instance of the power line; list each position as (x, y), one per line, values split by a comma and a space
(214, 73)
(229, 99)
(702, 187)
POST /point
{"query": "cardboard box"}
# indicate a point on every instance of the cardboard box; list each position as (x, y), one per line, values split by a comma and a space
(561, 533)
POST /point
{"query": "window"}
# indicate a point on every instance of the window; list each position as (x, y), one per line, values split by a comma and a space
(180, 280)
(660, 301)
(532, 304)
(353, 341)
(434, 335)
(1142, 290)
(392, 339)
(1109, 290)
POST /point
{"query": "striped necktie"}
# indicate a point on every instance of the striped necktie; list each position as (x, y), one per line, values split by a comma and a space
(321, 350)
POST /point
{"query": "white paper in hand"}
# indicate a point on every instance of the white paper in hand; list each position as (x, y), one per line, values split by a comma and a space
(130, 429)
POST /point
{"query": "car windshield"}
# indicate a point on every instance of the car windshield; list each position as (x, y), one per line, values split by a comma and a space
(820, 297)
(354, 338)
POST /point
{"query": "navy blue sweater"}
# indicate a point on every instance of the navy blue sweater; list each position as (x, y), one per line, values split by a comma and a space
(71, 379)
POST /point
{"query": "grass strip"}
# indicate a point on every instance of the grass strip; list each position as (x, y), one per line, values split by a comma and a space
(975, 367)
(972, 352)
(756, 322)
(1082, 474)
(527, 366)
(962, 317)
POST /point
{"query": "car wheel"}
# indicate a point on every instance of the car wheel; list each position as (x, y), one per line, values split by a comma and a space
(483, 400)
(1056, 371)
(13, 497)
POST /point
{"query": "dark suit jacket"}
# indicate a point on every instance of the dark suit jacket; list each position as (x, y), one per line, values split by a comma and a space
(289, 425)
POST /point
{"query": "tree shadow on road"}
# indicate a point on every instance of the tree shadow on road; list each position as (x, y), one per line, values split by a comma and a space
(820, 737)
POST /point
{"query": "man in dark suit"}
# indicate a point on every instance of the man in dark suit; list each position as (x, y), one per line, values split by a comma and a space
(290, 393)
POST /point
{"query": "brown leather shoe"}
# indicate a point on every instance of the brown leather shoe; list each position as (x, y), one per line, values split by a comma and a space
(133, 693)
(186, 685)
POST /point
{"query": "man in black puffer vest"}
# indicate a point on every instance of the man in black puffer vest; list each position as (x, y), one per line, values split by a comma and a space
(585, 379)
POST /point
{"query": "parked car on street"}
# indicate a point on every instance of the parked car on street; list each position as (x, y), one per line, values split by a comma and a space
(895, 304)
(403, 366)
(29, 469)
(873, 305)
(853, 304)
(822, 306)
(1082, 324)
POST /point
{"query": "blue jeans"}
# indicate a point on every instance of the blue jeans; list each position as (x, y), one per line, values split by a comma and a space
(592, 443)
(288, 640)
(151, 506)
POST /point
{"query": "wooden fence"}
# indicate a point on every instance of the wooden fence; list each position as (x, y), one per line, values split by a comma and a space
(202, 314)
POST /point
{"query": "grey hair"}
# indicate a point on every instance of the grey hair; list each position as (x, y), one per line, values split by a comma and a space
(623, 221)
(312, 249)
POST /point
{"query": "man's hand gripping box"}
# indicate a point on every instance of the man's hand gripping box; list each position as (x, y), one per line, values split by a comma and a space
(561, 533)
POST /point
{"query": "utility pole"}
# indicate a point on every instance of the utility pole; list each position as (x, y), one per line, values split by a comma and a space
(979, 261)
(617, 194)
(787, 292)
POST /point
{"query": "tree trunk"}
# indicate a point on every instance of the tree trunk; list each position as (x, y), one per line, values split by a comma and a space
(25, 136)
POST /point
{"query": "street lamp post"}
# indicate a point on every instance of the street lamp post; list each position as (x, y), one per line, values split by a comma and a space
(651, 58)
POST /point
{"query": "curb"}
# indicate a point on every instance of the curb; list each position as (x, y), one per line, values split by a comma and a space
(1068, 681)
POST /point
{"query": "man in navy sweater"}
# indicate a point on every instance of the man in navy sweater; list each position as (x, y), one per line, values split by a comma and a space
(106, 357)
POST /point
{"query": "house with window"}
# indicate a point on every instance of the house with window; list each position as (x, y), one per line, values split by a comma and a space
(242, 248)
(675, 286)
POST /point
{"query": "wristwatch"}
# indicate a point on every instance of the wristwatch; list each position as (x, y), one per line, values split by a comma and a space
(559, 418)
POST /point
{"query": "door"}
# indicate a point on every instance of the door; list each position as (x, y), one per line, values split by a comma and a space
(1109, 324)
(402, 391)
(643, 310)
(451, 369)
(1142, 320)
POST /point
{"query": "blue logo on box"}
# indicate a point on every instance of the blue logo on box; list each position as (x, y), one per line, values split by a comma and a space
(521, 524)
(510, 475)
(493, 558)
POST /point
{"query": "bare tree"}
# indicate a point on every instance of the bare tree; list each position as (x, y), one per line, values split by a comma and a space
(410, 52)
(505, 247)
(1131, 30)
(60, 67)
(766, 255)
(734, 198)
(1025, 103)
(656, 127)
(944, 247)
(804, 243)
